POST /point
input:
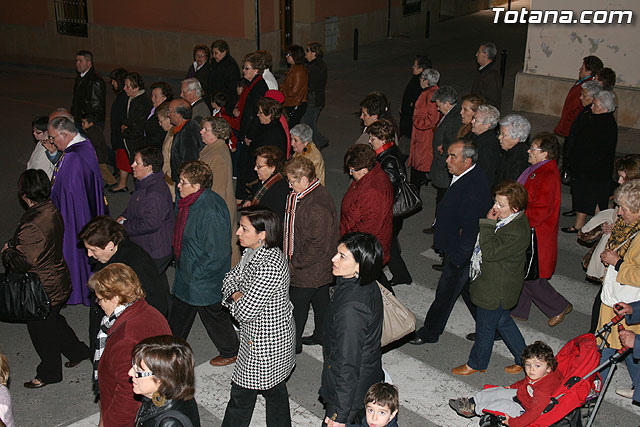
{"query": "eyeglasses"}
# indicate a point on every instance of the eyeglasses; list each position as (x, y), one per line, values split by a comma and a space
(98, 300)
(532, 148)
(287, 54)
(183, 182)
(247, 68)
(260, 166)
(140, 374)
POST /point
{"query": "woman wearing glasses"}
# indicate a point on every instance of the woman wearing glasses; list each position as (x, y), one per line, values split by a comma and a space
(162, 373)
(128, 319)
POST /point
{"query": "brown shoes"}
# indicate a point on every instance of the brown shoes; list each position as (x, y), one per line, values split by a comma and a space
(556, 320)
(464, 370)
(222, 361)
(513, 369)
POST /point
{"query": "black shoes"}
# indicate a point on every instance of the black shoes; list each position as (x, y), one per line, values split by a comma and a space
(122, 190)
(438, 267)
(429, 230)
(472, 337)
(570, 230)
(35, 383)
(310, 341)
(569, 213)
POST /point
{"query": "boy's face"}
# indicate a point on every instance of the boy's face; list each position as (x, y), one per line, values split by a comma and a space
(215, 106)
(85, 124)
(379, 416)
(536, 368)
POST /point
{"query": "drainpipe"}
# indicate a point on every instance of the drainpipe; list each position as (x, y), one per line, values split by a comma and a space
(257, 7)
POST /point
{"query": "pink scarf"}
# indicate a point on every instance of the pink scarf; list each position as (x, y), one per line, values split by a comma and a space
(181, 220)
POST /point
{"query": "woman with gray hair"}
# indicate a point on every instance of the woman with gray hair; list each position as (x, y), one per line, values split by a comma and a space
(483, 128)
(303, 146)
(514, 131)
(592, 160)
(425, 119)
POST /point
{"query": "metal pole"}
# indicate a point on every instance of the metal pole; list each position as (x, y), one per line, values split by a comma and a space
(388, 18)
(503, 65)
(427, 26)
(257, 7)
(355, 44)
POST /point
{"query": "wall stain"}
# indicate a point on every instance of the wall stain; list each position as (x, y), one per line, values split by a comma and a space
(574, 36)
(546, 49)
(614, 48)
(594, 44)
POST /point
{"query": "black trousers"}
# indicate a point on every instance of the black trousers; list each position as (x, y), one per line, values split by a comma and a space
(162, 264)
(419, 178)
(52, 338)
(302, 298)
(216, 320)
(453, 282)
(243, 401)
(397, 267)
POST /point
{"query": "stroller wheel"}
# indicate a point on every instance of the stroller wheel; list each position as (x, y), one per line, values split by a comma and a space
(490, 420)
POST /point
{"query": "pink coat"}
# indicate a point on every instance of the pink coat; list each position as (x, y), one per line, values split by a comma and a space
(425, 119)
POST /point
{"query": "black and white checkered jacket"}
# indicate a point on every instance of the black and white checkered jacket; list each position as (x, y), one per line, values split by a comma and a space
(265, 313)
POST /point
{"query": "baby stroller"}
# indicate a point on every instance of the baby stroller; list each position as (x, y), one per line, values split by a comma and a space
(578, 364)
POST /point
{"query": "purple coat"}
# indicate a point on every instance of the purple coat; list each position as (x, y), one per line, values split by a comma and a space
(150, 216)
(77, 193)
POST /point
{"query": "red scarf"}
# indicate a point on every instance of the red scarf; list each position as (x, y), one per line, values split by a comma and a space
(243, 98)
(181, 220)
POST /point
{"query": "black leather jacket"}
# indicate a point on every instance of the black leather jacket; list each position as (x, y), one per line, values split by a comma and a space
(392, 163)
(89, 96)
(149, 414)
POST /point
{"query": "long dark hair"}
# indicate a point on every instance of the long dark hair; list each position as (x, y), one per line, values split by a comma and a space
(367, 251)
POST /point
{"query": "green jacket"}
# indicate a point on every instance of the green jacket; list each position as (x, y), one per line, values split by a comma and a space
(205, 254)
(503, 258)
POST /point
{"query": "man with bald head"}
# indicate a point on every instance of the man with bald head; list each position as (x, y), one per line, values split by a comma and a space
(77, 193)
(187, 142)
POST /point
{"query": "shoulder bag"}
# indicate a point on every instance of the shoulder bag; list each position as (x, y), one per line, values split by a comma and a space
(398, 322)
(531, 267)
(408, 200)
(22, 298)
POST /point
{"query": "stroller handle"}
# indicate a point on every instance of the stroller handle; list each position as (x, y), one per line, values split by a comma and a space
(623, 348)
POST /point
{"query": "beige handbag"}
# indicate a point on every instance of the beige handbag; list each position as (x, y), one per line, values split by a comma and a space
(398, 322)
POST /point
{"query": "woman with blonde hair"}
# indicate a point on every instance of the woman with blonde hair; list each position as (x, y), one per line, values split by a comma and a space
(6, 415)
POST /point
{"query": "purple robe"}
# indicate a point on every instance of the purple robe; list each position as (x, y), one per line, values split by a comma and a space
(77, 193)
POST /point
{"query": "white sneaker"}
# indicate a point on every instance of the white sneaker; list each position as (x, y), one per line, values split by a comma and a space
(625, 392)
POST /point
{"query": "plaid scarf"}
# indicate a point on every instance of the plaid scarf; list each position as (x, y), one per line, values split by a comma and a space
(290, 217)
(101, 340)
(265, 187)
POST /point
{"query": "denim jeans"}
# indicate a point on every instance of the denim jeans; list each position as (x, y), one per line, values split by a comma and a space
(487, 323)
(632, 364)
(243, 401)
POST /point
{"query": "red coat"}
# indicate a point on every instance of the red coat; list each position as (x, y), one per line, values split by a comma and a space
(572, 106)
(543, 211)
(425, 119)
(368, 207)
(117, 403)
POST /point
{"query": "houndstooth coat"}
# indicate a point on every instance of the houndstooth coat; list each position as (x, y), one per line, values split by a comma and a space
(265, 313)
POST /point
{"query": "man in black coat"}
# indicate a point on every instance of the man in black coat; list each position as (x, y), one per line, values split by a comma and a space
(514, 131)
(488, 82)
(316, 90)
(486, 141)
(89, 91)
(466, 201)
(224, 75)
(187, 142)
(411, 94)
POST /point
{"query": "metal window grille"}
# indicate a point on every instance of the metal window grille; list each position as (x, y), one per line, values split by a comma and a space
(411, 7)
(71, 17)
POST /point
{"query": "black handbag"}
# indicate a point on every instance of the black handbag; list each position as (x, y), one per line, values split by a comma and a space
(531, 267)
(22, 298)
(408, 199)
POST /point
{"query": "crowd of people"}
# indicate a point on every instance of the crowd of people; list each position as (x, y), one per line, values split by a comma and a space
(229, 188)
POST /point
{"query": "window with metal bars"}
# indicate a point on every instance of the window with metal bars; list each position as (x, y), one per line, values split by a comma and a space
(71, 17)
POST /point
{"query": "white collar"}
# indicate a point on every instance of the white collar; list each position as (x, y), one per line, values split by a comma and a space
(195, 65)
(75, 140)
(457, 177)
(83, 74)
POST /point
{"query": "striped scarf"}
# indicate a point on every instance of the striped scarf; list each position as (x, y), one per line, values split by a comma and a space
(265, 187)
(101, 340)
(290, 217)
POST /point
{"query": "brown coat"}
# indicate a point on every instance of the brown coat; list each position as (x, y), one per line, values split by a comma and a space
(312, 153)
(316, 231)
(36, 247)
(218, 158)
(294, 86)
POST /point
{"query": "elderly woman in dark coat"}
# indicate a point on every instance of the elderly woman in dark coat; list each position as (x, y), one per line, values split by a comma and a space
(36, 247)
(351, 347)
(257, 294)
(202, 248)
(154, 134)
(128, 320)
(116, 120)
(497, 273)
(381, 138)
(273, 189)
(310, 235)
(592, 160)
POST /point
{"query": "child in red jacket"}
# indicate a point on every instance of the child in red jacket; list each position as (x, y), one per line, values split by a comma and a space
(523, 401)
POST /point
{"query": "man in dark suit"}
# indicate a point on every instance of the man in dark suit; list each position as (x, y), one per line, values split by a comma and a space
(89, 91)
(187, 142)
(466, 201)
(488, 82)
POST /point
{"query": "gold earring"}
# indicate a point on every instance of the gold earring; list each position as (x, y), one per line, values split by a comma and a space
(158, 399)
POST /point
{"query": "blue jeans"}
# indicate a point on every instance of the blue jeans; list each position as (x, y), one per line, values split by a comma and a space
(487, 323)
(632, 364)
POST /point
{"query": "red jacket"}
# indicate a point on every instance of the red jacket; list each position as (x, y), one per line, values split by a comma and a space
(534, 397)
(368, 207)
(572, 106)
(117, 403)
(543, 211)
(425, 119)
